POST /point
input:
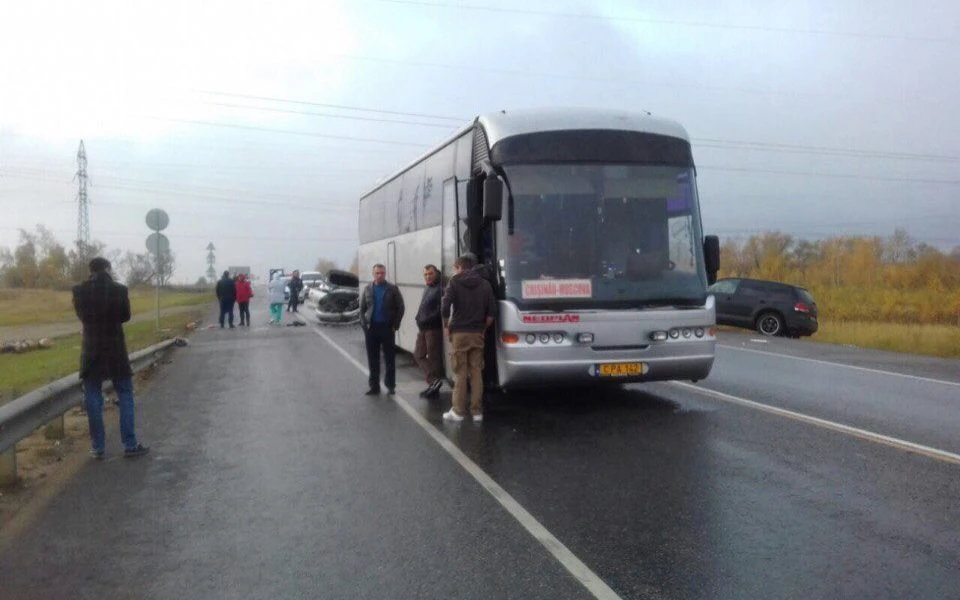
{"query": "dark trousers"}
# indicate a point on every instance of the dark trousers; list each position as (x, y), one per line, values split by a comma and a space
(294, 301)
(244, 312)
(226, 310)
(381, 336)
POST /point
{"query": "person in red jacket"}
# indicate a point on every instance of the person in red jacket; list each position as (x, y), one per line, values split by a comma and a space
(244, 293)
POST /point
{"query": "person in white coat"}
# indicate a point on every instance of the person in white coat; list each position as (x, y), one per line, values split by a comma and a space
(275, 289)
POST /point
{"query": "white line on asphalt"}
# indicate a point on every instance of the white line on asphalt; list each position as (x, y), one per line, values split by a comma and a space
(863, 434)
(570, 562)
(833, 364)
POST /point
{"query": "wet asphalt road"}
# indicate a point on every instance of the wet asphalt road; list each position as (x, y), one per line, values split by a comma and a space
(272, 476)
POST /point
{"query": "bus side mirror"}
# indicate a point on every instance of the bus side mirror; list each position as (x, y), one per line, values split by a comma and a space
(711, 257)
(492, 199)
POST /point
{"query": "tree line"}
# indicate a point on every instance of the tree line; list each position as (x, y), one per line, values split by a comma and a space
(856, 278)
(41, 261)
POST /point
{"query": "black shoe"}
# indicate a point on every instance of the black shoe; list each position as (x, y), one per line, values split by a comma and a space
(140, 450)
(97, 454)
(391, 391)
(231, 326)
(372, 392)
(426, 392)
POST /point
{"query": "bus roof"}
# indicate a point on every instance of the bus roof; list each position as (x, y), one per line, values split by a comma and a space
(504, 124)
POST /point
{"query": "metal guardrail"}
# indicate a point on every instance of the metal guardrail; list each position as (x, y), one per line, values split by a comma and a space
(24, 415)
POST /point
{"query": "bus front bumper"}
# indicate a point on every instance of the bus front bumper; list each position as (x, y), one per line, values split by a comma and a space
(517, 371)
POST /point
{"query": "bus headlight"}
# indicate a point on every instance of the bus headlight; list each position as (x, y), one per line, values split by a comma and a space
(658, 336)
(531, 339)
(544, 338)
(558, 338)
(585, 338)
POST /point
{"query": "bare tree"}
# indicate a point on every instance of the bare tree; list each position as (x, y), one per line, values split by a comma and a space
(166, 265)
(135, 269)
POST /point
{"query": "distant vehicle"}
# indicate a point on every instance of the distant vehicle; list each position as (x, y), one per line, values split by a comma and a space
(337, 300)
(311, 279)
(276, 270)
(770, 307)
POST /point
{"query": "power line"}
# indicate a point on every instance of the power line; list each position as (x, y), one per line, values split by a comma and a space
(836, 175)
(312, 205)
(205, 236)
(768, 147)
(594, 16)
(701, 142)
(327, 105)
(288, 132)
(330, 115)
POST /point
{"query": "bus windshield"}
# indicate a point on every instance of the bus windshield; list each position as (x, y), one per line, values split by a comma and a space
(602, 236)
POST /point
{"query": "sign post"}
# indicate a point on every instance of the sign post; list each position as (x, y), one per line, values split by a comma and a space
(158, 245)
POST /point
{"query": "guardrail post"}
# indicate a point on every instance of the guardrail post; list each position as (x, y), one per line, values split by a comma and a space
(8, 466)
(55, 429)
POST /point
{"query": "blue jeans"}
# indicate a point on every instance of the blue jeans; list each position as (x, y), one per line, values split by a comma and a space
(93, 399)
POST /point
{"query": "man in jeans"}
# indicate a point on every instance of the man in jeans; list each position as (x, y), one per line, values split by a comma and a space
(103, 306)
(428, 350)
(473, 306)
(227, 295)
(381, 311)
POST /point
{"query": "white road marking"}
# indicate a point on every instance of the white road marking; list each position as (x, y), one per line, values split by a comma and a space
(863, 434)
(570, 562)
(833, 364)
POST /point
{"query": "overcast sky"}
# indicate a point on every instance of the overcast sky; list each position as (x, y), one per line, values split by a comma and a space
(257, 125)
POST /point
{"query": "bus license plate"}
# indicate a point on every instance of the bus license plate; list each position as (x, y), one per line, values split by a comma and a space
(620, 369)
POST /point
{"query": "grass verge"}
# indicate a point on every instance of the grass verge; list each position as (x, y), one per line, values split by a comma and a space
(930, 340)
(29, 307)
(21, 373)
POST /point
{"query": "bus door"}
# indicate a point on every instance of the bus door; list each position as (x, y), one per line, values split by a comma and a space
(392, 274)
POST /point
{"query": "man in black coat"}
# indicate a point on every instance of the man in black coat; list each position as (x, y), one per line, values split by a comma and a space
(227, 295)
(295, 285)
(428, 350)
(103, 305)
(381, 312)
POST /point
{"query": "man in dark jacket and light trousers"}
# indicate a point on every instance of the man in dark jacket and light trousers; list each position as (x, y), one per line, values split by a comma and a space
(470, 298)
(103, 306)
(381, 311)
(428, 350)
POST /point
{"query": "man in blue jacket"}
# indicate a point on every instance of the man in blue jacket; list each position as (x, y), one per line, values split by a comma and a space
(381, 311)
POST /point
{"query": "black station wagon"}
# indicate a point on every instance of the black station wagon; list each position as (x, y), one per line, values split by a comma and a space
(770, 307)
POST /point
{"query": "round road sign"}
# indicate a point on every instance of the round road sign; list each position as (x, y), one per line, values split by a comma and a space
(157, 219)
(157, 243)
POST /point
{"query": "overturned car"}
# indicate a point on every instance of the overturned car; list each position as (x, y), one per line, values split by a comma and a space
(337, 300)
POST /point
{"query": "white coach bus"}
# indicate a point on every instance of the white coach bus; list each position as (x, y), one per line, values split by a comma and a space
(586, 222)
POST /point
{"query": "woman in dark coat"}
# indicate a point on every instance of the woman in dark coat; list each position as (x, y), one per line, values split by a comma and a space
(103, 305)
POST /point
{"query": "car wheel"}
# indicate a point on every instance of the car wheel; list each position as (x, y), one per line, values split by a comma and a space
(770, 323)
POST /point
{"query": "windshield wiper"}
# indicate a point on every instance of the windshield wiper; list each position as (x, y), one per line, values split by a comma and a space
(670, 302)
